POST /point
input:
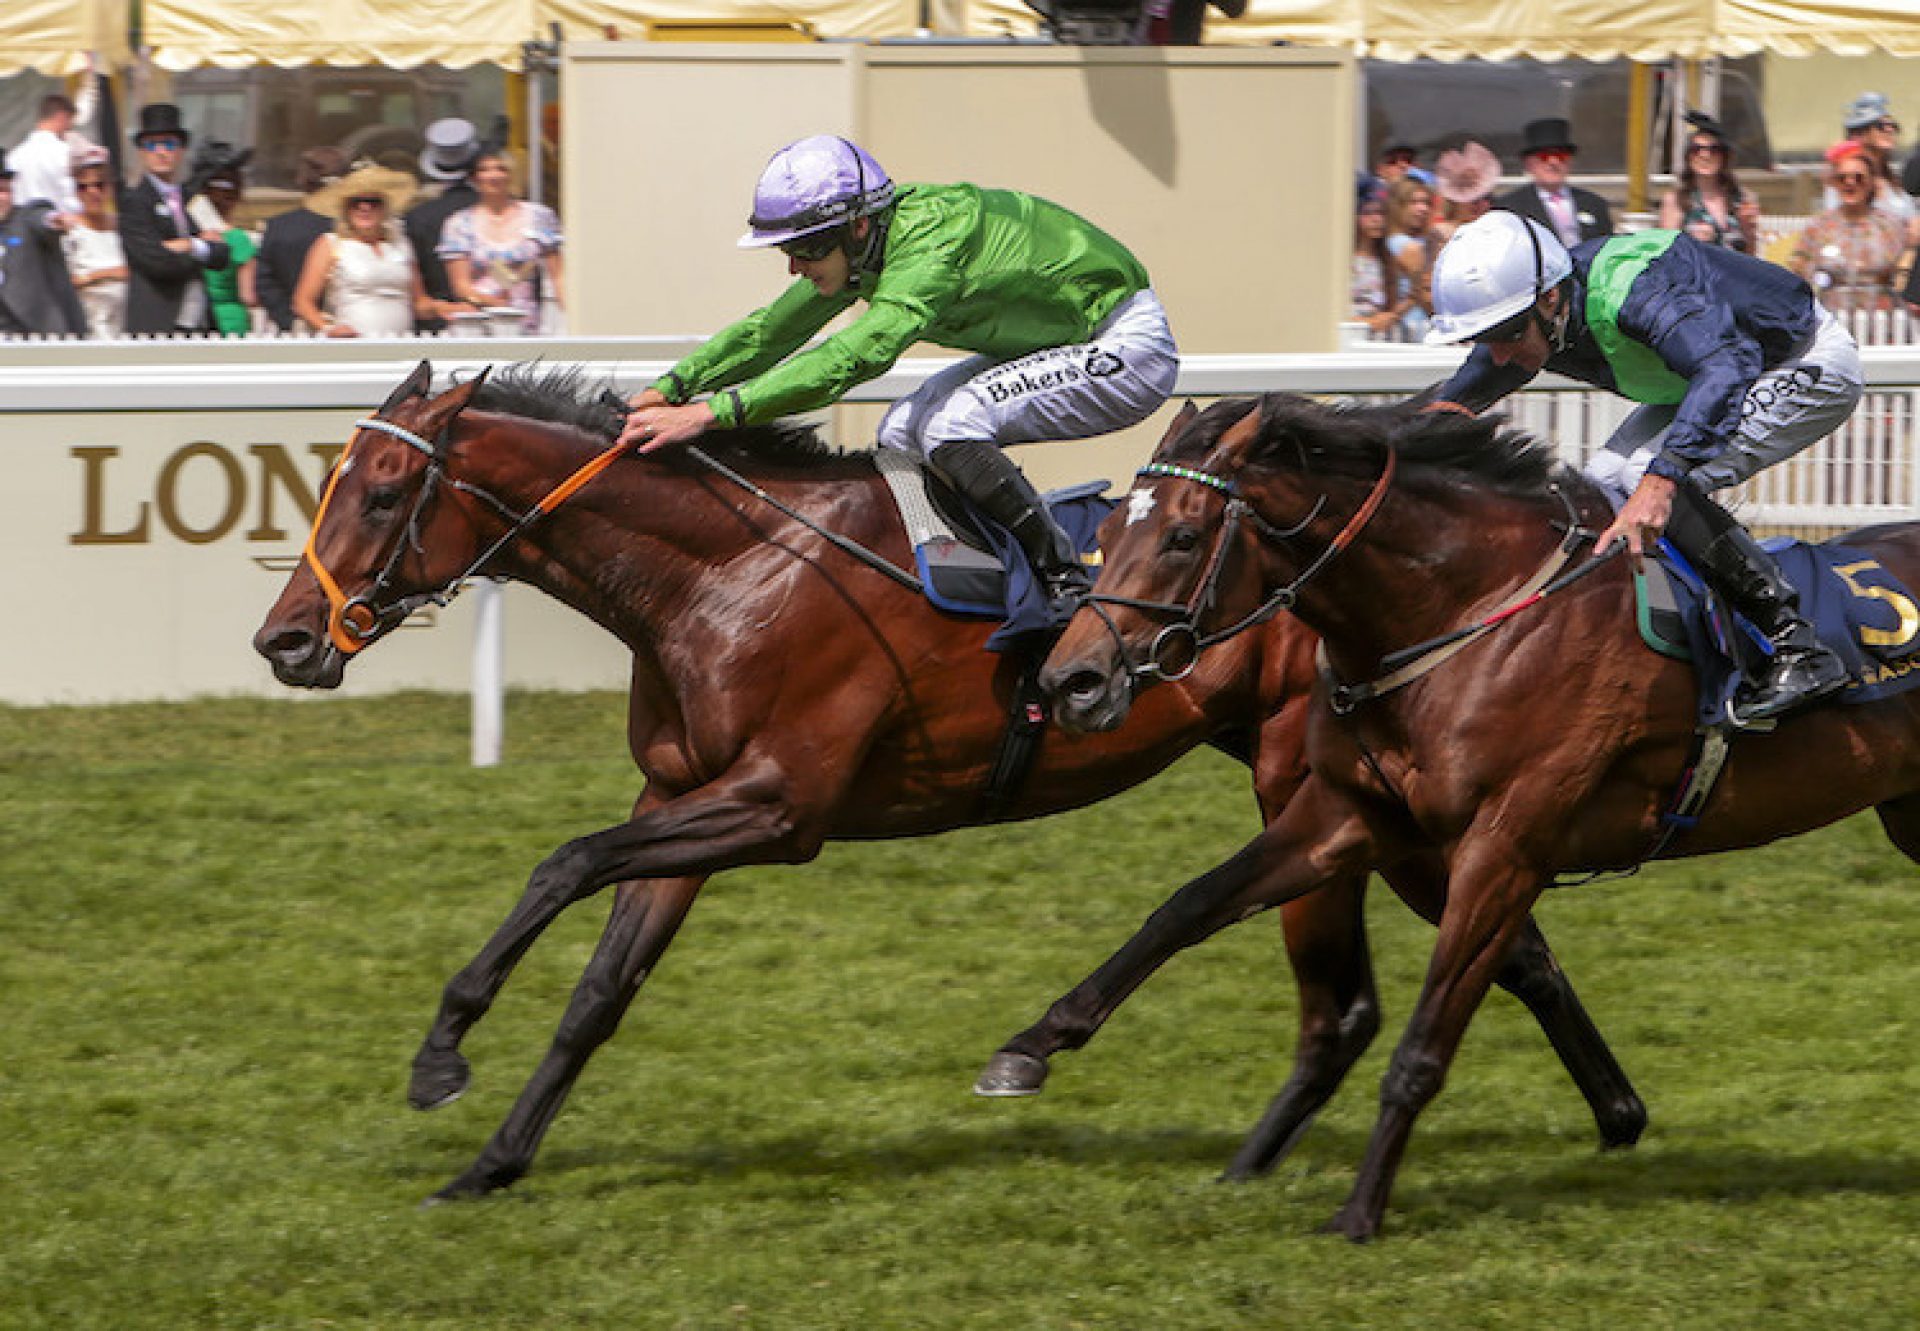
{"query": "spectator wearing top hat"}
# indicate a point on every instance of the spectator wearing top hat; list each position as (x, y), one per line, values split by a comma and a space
(1546, 155)
(166, 256)
(287, 237)
(36, 292)
(453, 147)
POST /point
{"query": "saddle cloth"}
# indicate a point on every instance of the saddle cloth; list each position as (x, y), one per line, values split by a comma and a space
(1858, 608)
(969, 564)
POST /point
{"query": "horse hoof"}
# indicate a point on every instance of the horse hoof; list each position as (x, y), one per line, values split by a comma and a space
(476, 1183)
(1623, 1127)
(1350, 1225)
(438, 1079)
(1011, 1075)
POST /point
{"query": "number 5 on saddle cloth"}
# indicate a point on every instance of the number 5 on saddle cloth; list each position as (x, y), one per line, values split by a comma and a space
(1858, 609)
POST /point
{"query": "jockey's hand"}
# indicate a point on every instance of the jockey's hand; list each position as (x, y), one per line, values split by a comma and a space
(647, 397)
(655, 427)
(1641, 519)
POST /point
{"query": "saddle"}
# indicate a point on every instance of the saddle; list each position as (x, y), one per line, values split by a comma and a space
(969, 564)
(1857, 608)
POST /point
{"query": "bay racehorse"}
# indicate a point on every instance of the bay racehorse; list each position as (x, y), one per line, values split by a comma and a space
(1546, 744)
(783, 693)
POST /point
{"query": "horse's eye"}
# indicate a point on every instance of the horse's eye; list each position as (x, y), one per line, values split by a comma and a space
(1181, 540)
(383, 499)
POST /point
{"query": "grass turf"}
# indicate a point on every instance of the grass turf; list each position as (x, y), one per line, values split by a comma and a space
(227, 925)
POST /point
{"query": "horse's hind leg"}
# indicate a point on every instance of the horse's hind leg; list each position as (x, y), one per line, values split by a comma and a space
(1901, 818)
(1532, 974)
(1317, 842)
(645, 917)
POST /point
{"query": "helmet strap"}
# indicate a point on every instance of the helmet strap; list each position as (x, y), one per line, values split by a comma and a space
(863, 257)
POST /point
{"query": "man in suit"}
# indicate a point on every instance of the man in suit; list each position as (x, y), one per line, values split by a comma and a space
(453, 147)
(36, 293)
(165, 257)
(287, 238)
(1546, 155)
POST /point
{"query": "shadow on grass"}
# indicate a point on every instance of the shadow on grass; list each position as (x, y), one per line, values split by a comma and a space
(1583, 1178)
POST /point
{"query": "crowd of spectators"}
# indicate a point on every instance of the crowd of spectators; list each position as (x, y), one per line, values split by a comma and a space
(1857, 252)
(169, 249)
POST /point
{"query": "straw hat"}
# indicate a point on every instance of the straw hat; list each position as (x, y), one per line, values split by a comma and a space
(396, 187)
(1468, 173)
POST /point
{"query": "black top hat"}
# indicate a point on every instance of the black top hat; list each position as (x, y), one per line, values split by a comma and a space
(1549, 135)
(160, 118)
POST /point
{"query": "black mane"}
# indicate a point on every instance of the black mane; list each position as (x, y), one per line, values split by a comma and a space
(564, 395)
(1351, 439)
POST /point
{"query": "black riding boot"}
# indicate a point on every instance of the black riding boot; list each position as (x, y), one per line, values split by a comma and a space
(989, 478)
(1801, 669)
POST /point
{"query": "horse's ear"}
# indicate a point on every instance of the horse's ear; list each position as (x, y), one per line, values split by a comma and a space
(438, 416)
(417, 384)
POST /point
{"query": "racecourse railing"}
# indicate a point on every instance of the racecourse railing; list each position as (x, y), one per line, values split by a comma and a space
(1866, 473)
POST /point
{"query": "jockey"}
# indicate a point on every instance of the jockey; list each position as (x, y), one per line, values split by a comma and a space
(1735, 367)
(1069, 339)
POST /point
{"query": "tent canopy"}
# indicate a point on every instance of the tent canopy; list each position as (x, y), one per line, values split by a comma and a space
(54, 36)
(184, 34)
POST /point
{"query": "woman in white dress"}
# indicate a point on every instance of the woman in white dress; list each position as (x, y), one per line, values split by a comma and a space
(361, 280)
(95, 258)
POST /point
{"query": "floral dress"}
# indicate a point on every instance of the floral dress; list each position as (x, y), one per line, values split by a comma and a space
(509, 272)
(1850, 262)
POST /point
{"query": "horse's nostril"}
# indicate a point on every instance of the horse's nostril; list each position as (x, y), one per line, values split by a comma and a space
(285, 643)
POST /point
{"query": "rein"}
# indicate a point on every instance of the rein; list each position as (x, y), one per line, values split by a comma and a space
(354, 622)
(1185, 628)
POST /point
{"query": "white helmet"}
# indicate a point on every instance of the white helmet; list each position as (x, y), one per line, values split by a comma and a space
(1494, 268)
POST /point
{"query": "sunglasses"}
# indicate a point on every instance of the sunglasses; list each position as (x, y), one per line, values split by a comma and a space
(1714, 148)
(1890, 126)
(812, 249)
(89, 184)
(162, 143)
(1510, 331)
(1553, 155)
(367, 201)
(1851, 178)
(1397, 159)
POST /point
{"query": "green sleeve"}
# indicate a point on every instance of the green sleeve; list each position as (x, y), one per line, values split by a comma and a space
(920, 281)
(744, 349)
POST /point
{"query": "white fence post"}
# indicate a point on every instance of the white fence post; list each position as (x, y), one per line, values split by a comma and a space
(489, 671)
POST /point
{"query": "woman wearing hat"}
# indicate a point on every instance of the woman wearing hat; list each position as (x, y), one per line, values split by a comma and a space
(1466, 178)
(361, 280)
(230, 290)
(1708, 202)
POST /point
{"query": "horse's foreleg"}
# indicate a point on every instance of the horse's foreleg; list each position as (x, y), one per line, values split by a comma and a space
(1490, 895)
(645, 917)
(1316, 839)
(720, 825)
(1532, 975)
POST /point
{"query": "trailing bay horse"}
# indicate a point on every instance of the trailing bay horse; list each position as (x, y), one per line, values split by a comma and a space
(1546, 742)
(784, 693)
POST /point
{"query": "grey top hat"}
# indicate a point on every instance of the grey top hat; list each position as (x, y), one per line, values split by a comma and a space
(453, 145)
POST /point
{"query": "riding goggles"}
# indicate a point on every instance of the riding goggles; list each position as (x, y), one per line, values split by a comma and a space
(813, 248)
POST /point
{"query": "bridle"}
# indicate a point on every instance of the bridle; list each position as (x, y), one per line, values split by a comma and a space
(1182, 635)
(353, 622)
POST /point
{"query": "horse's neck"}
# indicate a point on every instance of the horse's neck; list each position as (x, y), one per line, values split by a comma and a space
(640, 544)
(1425, 565)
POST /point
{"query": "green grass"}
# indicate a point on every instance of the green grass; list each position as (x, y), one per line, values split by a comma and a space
(226, 926)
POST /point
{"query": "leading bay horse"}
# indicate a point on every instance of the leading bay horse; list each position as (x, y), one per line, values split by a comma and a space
(783, 693)
(1546, 745)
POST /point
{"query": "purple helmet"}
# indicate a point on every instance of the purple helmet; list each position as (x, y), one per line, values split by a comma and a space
(820, 182)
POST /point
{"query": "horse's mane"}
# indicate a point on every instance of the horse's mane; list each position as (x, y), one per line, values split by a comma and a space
(1352, 439)
(565, 395)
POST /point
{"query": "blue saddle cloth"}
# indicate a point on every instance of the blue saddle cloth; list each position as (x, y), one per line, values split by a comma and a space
(1006, 588)
(1857, 607)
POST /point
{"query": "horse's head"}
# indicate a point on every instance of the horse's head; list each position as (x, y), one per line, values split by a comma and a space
(1170, 571)
(380, 546)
